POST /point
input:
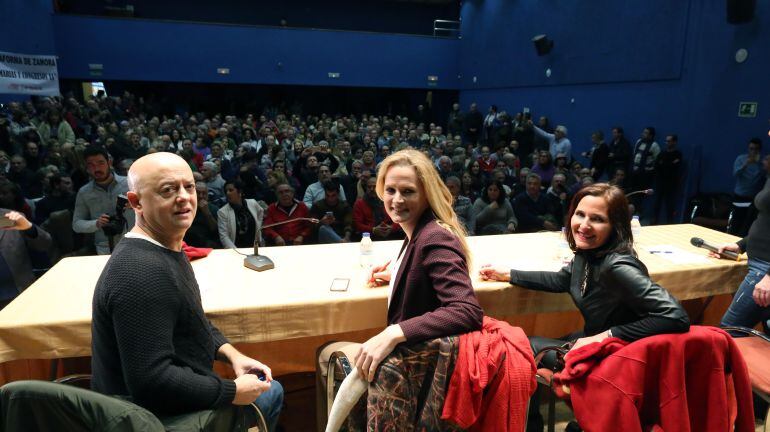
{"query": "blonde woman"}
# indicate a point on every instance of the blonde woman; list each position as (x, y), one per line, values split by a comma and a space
(430, 292)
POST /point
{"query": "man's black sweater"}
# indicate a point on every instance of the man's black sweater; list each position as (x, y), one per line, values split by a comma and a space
(150, 338)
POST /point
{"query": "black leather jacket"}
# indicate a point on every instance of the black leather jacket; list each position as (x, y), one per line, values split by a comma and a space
(618, 295)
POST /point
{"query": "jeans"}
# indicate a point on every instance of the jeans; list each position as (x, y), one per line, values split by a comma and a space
(270, 403)
(326, 234)
(744, 311)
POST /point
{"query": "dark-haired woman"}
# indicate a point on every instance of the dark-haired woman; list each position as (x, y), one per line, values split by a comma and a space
(608, 283)
(493, 212)
(240, 220)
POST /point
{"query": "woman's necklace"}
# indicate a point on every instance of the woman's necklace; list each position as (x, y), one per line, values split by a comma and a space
(584, 284)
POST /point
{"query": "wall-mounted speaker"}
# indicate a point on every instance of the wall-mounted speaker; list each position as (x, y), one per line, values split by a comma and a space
(740, 11)
(542, 44)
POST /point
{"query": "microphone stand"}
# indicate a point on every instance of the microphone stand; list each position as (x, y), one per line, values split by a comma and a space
(259, 262)
(643, 191)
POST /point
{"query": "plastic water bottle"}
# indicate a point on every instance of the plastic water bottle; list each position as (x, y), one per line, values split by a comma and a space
(636, 227)
(366, 259)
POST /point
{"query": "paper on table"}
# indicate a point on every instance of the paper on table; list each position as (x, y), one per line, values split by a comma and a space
(677, 255)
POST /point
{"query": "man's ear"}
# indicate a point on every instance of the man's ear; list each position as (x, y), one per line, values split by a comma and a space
(133, 199)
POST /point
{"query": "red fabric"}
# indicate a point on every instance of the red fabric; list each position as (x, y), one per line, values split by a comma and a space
(487, 165)
(494, 378)
(363, 218)
(193, 253)
(672, 382)
(288, 231)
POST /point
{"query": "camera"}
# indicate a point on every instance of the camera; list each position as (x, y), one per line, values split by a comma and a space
(117, 223)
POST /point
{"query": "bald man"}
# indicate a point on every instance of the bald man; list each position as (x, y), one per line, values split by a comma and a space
(150, 338)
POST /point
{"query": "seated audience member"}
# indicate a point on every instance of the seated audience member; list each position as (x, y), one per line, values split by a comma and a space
(286, 209)
(369, 215)
(468, 188)
(462, 205)
(479, 177)
(751, 304)
(16, 242)
(315, 191)
(521, 183)
(431, 291)
(486, 161)
(444, 166)
(334, 214)
(60, 196)
(492, 211)
(619, 179)
(21, 175)
(214, 182)
(350, 182)
(204, 231)
(239, 222)
(607, 281)
(534, 209)
(559, 194)
(544, 168)
(498, 175)
(151, 341)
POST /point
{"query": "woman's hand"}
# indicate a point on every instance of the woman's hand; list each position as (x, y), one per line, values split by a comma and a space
(732, 247)
(373, 351)
(379, 275)
(590, 339)
(495, 273)
(762, 292)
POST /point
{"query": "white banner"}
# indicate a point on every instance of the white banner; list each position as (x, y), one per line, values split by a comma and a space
(28, 74)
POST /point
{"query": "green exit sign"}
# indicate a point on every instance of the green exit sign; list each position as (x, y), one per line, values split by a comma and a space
(747, 109)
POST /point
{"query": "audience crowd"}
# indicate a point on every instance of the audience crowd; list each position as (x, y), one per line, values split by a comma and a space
(66, 161)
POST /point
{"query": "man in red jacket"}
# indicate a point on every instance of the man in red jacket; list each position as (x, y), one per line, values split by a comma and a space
(287, 208)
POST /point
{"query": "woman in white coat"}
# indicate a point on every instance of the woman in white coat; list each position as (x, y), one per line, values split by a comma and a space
(240, 220)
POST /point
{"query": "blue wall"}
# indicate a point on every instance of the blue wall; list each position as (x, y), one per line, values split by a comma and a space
(634, 63)
(388, 16)
(143, 50)
(25, 27)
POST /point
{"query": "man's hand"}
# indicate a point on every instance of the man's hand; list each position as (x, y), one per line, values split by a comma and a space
(279, 241)
(298, 240)
(373, 351)
(495, 273)
(20, 222)
(327, 219)
(243, 365)
(103, 220)
(248, 388)
(511, 228)
(550, 226)
(762, 292)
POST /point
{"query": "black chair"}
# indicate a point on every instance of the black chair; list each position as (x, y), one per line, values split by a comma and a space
(68, 404)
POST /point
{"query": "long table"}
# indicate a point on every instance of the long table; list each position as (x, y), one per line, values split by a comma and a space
(52, 318)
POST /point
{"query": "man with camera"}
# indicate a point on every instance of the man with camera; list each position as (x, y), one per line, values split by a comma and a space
(99, 207)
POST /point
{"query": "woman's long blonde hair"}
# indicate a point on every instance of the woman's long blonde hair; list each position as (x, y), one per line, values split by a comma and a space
(438, 196)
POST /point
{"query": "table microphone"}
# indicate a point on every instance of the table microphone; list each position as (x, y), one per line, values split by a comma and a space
(699, 242)
(259, 262)
(644, 192)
